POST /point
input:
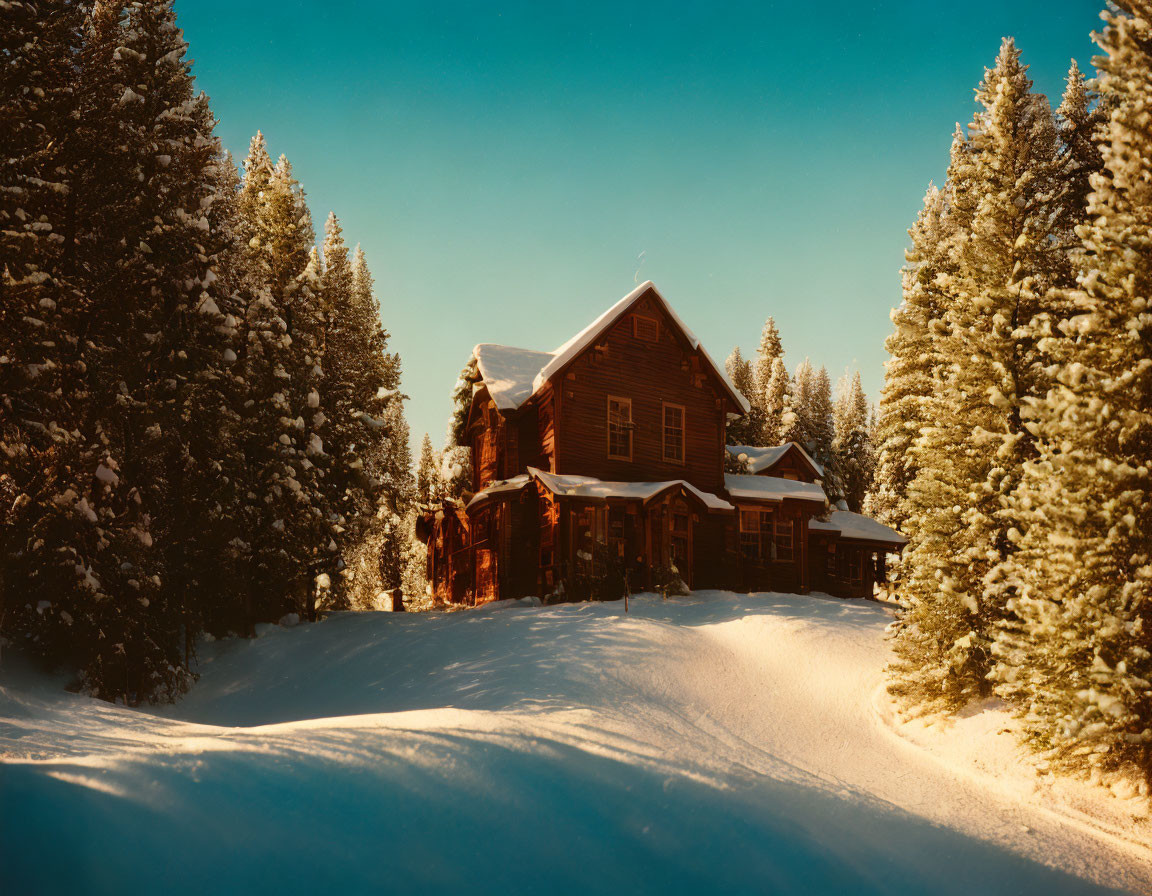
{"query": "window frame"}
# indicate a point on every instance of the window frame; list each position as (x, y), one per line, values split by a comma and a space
(664, 407)
(757, 528)
(628, 427)
(784, 528)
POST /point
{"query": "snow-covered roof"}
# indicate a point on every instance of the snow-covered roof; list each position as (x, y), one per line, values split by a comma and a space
(598, 489)
(500, 486)
(760, 459)
(858, 527)
(771, 488)
(509, 372)
(513, 375)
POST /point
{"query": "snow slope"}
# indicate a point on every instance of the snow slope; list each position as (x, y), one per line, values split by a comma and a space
(715, 743)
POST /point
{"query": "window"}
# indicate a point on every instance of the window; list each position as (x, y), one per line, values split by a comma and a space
(674, 433)
(750, 534)
(783, 539)
(856, 569)
(620, 428)
(756, 534)
(646, 328)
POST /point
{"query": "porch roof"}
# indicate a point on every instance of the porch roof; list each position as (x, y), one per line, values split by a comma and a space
(600, 490)
(857, 527)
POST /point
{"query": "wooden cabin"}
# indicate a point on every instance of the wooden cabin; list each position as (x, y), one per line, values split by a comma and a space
(600, 466)
(845, 553)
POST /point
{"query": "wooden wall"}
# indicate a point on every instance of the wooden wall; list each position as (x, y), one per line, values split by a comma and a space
(791, 466)
(648, 373)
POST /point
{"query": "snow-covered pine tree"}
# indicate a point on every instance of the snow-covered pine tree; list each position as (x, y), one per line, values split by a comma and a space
(43, 456)
(147, 362)
(288, 532)
(909, 372)
(777, 398)
(428, 485)
(767, 399)
(165, 356)
(1079, 120)
(971, 452)
(250, 199)
(361, 379)
(823, 432)
(800, 429)
(852, 446)
(1076, 656)
(746, 430)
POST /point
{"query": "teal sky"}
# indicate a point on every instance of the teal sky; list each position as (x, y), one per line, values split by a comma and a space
(513, 169)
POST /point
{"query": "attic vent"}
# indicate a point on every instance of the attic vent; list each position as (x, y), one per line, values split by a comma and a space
(646, 328)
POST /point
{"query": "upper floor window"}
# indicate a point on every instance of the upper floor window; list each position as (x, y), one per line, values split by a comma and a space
(646, 328)
(620, 428)
(674, 433)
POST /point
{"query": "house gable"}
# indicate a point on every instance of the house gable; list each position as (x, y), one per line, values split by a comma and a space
(640, 403)
(787, 461)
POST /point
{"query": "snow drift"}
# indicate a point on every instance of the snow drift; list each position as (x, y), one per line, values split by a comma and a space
(713, 743)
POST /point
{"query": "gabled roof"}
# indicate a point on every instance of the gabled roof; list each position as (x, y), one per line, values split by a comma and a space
(513, 375)
(761, 459)
(772, 488)
(857, 527)
(597, 489)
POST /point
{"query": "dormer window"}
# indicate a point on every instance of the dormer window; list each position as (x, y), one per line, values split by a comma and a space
(645, 328)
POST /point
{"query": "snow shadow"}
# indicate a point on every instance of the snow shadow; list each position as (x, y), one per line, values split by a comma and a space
(453, 812)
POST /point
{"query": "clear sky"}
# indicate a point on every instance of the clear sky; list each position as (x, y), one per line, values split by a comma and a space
(513, 169)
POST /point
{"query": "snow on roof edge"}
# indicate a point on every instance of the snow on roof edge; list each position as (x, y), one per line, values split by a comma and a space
(772, 456)
(570, 349)
(565, 484)
(500, 486)
(771, 488)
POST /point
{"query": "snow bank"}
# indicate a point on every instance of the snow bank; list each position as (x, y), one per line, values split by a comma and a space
(715, 743)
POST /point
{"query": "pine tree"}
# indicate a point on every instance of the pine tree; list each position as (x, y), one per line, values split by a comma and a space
(746, 430)
(910, 370)
(44, 458)
(800, 429)
(970, 454)
(251, 201)
(823, 431)
(428, 484)
(767, 398)
(1075, 653)
(141, 490)
(1080, 117)
(361, 379)
(852, 445)
(288, 533)
(777, 398)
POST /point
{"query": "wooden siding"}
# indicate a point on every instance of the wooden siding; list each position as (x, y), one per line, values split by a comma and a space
(650, 374)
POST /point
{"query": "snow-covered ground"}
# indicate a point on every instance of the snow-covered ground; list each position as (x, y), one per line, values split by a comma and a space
(714, 743)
